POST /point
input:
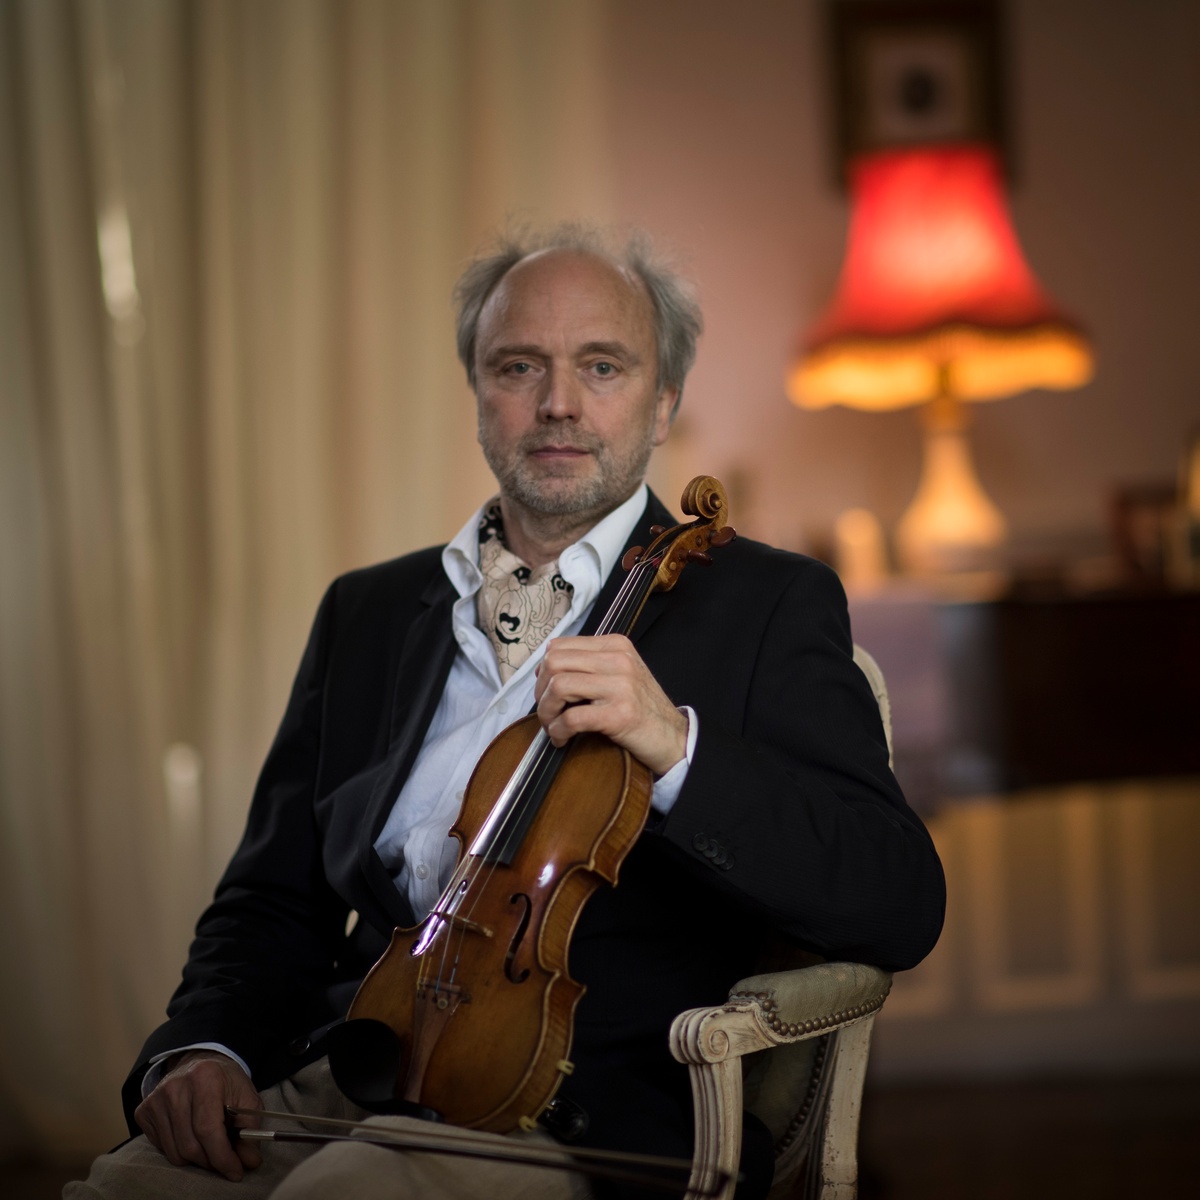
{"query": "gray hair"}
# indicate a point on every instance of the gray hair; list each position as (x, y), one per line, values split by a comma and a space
(677, 319)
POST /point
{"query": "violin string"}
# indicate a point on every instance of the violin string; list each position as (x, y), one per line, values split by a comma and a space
(627, 595)
(448, 909)
(547, 753)
(631, 594)
(475, 865)
(450, 902)
(519, 800)
(469, 870)
(623, 612)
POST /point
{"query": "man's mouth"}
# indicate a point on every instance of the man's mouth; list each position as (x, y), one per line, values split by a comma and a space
(547, 453)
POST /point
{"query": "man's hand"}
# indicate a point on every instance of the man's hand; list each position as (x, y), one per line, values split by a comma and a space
(184, 1116)
(601, 685)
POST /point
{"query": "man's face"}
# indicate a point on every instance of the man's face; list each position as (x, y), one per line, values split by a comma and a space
(565, 378)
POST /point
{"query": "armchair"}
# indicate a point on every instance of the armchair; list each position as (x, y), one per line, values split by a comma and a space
(791, 1046)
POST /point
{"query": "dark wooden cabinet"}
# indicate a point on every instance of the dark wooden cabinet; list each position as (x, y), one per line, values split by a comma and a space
(1101, 687)
(1023, 692)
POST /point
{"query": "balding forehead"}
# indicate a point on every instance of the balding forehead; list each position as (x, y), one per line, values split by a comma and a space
(565, 297)
(540, 258)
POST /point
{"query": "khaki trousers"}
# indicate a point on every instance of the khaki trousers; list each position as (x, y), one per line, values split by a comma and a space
(342, 1171)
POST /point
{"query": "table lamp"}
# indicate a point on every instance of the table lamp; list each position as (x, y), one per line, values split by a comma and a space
(936, 305)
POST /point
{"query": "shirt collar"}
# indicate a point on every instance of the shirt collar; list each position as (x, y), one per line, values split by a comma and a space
(602, 544)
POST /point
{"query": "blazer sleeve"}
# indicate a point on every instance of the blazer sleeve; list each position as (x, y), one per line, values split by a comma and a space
(795, 813)
(265, 948)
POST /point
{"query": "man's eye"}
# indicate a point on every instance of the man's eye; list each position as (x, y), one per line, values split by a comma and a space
(518, 368)
(605, 369)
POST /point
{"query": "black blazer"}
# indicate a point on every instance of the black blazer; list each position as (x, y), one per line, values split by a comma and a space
(790, 822)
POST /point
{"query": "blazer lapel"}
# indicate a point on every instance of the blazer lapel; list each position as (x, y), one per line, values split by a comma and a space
(424, 666)
(425, 661)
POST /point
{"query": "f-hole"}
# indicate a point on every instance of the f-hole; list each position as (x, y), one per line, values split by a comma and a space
(518, 937)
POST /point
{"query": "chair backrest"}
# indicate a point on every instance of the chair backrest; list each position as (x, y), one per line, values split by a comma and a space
(788, 1087)
(870, 668)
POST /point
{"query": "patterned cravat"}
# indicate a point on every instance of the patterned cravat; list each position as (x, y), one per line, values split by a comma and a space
(518, 607)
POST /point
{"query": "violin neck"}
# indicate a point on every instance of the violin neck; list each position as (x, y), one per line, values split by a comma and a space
(627, 607)
(501, 835)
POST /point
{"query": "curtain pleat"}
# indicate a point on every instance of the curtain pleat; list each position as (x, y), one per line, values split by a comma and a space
(228, 233)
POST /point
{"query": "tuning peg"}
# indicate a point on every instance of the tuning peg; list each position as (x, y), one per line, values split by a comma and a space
(655, 530)
(698, 556)
(723, 536)
(631, 557)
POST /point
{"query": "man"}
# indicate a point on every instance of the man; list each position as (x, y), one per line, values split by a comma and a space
(773, 812)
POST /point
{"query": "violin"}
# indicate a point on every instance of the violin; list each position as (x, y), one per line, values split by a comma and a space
(468, 1017)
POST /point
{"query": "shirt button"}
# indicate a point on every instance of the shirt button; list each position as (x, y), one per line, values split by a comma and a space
(422, 871)
(459, 796)
(502, 706)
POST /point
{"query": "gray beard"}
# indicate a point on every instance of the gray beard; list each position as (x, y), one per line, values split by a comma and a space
(614, 483)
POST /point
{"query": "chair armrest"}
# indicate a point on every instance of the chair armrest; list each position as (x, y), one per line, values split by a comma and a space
(778, 1008)
(813, 1000)
(764, 1011)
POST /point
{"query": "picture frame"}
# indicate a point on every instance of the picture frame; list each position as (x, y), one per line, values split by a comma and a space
(916, 72)
(1142, 520)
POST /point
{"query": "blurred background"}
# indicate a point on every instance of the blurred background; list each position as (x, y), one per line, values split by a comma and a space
(228, 233)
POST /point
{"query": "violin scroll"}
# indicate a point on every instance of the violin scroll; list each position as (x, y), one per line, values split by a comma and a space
(704, 498)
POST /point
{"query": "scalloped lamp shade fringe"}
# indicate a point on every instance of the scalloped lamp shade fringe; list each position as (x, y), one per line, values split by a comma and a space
(935, 294)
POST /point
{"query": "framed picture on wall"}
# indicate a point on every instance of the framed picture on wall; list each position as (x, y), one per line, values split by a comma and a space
(916, 72)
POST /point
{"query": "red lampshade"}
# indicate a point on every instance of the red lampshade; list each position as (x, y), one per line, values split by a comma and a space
(935, 293)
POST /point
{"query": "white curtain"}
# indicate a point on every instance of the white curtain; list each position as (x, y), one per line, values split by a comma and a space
(228, 231)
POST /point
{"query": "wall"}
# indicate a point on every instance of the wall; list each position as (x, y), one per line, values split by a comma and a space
(1072, 940)
(722, 145)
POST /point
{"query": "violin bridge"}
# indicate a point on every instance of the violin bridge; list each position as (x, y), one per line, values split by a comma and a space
(457, 922)
(442, 995)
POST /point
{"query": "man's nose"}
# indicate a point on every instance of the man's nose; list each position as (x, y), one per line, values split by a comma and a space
(562, 397)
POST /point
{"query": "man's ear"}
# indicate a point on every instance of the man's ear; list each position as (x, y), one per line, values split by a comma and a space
(666, 406)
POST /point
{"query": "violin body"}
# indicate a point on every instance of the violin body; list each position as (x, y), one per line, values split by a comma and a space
(460, 1002)
(468, 1017)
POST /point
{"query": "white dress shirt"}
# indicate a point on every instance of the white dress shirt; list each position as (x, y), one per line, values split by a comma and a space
(475, 705)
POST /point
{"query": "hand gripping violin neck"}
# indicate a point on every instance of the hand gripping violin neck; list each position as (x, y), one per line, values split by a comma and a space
(468, 1017)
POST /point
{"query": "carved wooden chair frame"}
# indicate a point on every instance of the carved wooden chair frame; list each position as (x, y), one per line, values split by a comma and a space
(810, 1030)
